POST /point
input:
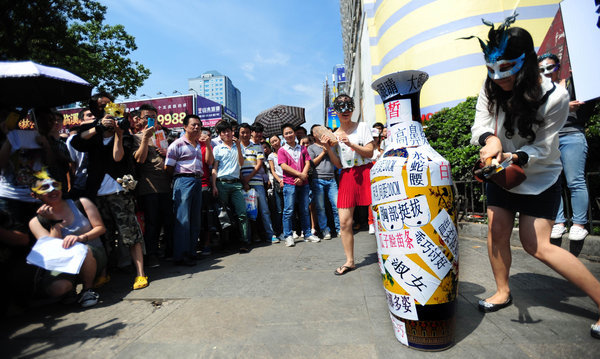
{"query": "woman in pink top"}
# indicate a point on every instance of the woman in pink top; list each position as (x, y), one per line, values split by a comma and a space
(295, 162)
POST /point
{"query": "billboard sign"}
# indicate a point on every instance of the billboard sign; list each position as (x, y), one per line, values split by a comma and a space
(230, 113)
(171, 110)
(333, 120)
(340, 75)
(208, 111)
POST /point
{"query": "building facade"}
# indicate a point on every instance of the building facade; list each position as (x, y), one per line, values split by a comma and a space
(218, 88)
(385, 36)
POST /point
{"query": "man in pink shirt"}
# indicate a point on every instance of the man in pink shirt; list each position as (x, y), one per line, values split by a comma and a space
(295, 162)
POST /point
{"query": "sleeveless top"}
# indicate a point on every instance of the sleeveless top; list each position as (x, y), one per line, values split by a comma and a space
(79, 226)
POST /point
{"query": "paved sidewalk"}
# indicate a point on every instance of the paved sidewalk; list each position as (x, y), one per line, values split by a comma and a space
(279, 302)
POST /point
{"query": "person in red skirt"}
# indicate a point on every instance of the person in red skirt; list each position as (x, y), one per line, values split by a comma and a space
(352, 154)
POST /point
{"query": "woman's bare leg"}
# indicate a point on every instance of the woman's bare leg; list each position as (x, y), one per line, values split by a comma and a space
(535, 237)
(499, 230)
(347, 234)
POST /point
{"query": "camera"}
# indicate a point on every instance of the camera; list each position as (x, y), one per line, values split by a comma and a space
(123, 123)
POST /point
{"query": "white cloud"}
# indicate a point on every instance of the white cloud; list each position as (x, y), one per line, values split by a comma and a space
(276, 58)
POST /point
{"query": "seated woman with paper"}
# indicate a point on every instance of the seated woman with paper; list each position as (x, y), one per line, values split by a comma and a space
(73, 222)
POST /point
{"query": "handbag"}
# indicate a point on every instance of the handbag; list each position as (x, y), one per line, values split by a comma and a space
(223, 216)
(509, 178)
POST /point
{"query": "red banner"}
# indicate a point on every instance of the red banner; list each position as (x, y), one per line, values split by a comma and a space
(171, 110)
(555, 42)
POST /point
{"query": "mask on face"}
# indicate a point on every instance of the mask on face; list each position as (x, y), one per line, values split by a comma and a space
(504, 68)
(344, 106)
(548, 69)
(47, 186)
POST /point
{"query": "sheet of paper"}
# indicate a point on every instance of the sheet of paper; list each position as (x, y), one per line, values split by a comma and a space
(380, 262)
(406, 134)
(412, 212)
(395, 242)
(23, 139)
(398, 111)
(412, 278)
(440, 173)
(388, 167)
(443, 224)
(49, 254)
(399, 330)
(160, 140)
(388, 190)
(416, 168)
(402, 306)
(430, 253)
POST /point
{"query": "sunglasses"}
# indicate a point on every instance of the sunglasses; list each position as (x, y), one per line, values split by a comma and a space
(344, 106)
(47, 186)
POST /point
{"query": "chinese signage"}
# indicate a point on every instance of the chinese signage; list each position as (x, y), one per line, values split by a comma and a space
(208, 111)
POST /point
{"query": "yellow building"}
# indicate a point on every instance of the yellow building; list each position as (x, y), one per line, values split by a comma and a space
(386, 36)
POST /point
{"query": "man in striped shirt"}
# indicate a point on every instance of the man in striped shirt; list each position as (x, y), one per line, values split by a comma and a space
(252, 177)
(184, 161)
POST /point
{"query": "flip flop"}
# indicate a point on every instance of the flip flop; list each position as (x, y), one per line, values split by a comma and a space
(343, 270)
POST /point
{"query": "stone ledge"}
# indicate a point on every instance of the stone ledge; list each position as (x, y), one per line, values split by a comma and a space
(589, 248)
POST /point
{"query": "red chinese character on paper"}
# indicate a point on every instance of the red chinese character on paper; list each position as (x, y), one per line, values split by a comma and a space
(393, 109)
(400, 240)
(408, 240)
(444, 171)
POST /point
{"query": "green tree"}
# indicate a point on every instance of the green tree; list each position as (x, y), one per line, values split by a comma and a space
(71, 34)
(449, 132)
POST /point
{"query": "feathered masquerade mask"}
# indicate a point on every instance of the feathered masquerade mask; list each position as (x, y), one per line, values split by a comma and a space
(494, 50)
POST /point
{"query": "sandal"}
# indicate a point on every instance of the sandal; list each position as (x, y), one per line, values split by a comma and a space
(140, 282)
(343, 270)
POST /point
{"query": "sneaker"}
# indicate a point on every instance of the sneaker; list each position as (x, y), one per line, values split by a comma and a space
(289, 241)
(205, 251)
(294, 236)
(140, 282)
(327, 236)
(88, 298)
(274, 239)
(557, 231)
(313, 239)
(577, 233)
(371, 229)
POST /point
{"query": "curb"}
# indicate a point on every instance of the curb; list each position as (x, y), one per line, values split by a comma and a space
(589, 248)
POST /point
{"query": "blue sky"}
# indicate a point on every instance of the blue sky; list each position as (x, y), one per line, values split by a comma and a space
(275, 52)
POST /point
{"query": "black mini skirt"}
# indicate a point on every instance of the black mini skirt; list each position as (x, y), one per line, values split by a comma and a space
(543, 205)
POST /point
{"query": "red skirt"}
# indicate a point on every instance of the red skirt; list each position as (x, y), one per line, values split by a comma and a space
(355, 187)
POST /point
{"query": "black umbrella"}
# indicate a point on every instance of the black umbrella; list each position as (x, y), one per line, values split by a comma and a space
(276, 116)
(27, 84)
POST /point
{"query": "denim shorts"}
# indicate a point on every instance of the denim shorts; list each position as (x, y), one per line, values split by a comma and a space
(543, 205)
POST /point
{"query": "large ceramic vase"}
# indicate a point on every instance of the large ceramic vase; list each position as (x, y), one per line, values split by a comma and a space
(417, 241)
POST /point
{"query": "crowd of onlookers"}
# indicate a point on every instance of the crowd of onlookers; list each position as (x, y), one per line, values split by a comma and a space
(139, 195)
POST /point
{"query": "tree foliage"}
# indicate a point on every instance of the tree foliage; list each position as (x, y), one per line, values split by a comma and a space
(449, 133)
(71, 34)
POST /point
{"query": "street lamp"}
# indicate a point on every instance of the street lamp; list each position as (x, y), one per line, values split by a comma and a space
(196, 92)
(142, 95)
(159, 93)
(174, 92)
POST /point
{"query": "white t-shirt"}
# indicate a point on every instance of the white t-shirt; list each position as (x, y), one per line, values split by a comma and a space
(360, 136)
(276, 166)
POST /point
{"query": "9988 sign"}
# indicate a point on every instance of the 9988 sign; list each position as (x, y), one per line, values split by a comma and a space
(171, 119)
